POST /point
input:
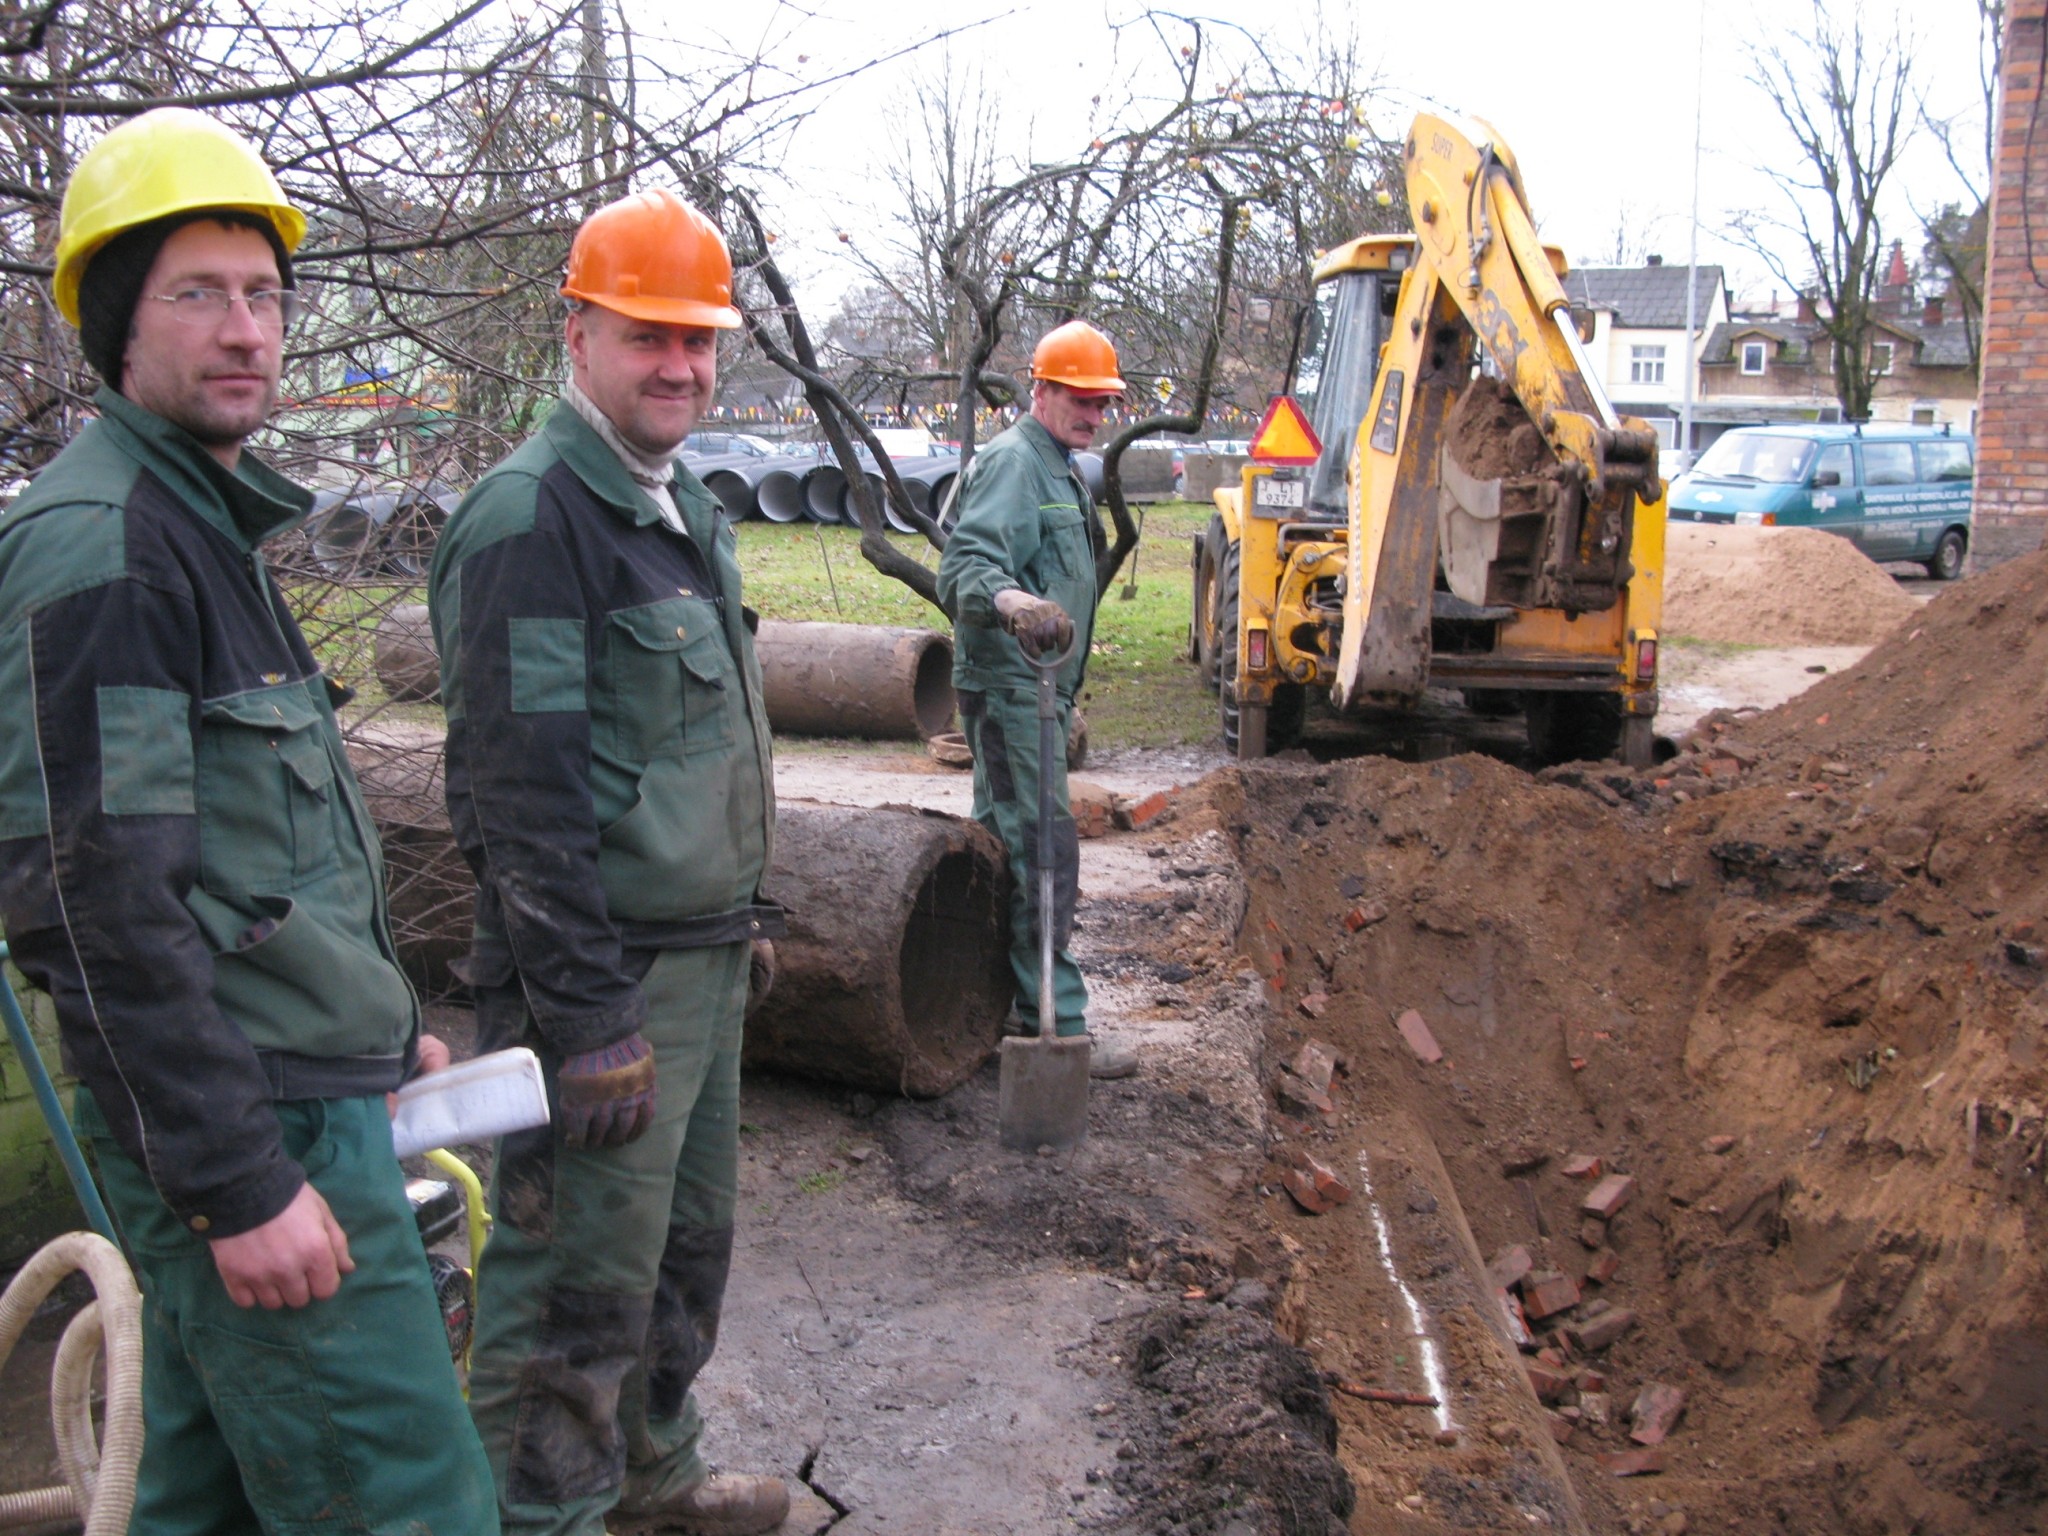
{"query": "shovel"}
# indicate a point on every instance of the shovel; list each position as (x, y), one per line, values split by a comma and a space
(1044, 1084)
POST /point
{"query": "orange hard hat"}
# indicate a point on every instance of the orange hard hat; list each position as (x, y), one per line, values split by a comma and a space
(1078, 356)
(653, 257)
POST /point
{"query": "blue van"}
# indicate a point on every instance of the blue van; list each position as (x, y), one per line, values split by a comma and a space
(1896, 493)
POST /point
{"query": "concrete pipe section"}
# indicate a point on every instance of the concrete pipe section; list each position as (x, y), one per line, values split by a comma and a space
(779, 497)
(824, 492)
(895, 973)
(856, 680)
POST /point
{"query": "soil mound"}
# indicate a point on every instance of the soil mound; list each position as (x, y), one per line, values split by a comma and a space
(1775, 586)
(1792, 985)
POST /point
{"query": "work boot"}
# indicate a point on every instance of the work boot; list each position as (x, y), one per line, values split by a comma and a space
(1108, 1059)
(724, 1504)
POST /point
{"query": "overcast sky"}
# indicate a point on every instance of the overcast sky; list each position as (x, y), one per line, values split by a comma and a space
(1596, 97)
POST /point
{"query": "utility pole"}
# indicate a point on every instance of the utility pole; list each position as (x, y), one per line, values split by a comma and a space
(1692, 250)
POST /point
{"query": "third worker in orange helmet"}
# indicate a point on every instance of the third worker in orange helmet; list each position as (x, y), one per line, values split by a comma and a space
(1018, 576)
(609, 781)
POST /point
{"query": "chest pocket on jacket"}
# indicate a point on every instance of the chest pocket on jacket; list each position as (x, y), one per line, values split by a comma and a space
(265, 790)
(1065, 551)
(672, 686)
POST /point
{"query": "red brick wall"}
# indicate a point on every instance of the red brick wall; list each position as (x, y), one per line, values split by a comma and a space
(2012, 412)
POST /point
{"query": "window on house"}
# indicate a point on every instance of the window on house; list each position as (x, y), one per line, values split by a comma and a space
(1752, 357)
(1923, 415)
(1880, 357)
(1646, 365)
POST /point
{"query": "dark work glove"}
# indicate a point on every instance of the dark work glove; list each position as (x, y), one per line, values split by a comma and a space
(607, 1095)
(760, 974)
(1039, 623)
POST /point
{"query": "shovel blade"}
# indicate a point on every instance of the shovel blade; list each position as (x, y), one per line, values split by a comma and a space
(1043, 1093)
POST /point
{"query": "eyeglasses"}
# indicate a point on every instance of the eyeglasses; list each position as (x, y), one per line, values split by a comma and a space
(271, 308)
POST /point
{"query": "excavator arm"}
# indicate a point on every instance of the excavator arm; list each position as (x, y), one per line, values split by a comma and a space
(1559, 538)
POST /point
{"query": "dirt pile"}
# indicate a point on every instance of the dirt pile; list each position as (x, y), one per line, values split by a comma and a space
(1795, 994)
(1775, 586)
(1491, 435)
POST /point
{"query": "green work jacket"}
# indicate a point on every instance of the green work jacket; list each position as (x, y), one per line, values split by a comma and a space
(186, 863)
(1026, 520)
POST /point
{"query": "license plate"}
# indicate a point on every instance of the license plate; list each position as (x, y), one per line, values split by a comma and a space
(1269, 492)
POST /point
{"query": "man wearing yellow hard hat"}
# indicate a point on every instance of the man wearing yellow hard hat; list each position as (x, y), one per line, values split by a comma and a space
(1018, 576)
(188, 869)
(609, 780)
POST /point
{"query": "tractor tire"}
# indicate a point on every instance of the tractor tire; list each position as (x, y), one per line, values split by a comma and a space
(1207, 623)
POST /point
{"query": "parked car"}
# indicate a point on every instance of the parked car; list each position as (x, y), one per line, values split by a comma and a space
(706, 443)
(1897, 493)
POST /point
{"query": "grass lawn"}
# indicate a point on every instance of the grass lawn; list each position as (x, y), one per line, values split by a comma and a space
(1139, 691)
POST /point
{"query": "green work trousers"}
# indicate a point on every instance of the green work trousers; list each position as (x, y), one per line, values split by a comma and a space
(340, 1416)
(598, 1298)
(1002, 728)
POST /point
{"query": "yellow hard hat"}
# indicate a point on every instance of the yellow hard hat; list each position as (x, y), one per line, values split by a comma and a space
(1078, 356)
(652, 256)
(167, 161)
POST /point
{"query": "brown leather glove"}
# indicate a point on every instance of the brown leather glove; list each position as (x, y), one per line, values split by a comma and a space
(1039, 623)
(760, 974)
(607, 1095)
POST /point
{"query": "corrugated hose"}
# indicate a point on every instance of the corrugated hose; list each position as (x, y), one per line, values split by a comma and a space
(99, 1475)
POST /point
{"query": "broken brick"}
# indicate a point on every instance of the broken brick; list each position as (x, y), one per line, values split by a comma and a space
(1419, 1039)
(1580, 1166)
(1551, 1356)
(1313, 1004)
(1517, 1324)
(1549, 1385)
(1721, 768)
(1560, 1427)
(1597, 1333)
(1593, 1234)
(1314, 1187)
(1315, 1063)
(1365, 916)
(1133, 814)
(1511, 1266)
(1606, 1264)
(1642, 1463)
(1656, 1410)
(1717, 1144)
(1297, 1098)
(1593, 1408)
(1547, 1292)
(1609, 1196)
(1091, 818)
(1590, 1380)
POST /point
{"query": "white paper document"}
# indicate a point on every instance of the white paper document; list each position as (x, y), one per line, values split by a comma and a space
(472, 1101)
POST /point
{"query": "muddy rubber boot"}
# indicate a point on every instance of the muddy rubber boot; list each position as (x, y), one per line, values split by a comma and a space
(1107, 1059)
(724, 1504)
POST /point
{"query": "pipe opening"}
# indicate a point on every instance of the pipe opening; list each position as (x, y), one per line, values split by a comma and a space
(780, 497)
(931, 690)
(954, 949)
(823, 488)
(733, 493)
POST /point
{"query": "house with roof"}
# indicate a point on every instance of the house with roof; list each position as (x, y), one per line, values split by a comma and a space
(1631, 321)
(1764, 367)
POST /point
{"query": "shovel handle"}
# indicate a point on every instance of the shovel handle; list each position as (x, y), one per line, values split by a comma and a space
(1047, 668)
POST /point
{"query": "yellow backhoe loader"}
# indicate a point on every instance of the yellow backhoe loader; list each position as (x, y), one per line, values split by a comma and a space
(1475, 516)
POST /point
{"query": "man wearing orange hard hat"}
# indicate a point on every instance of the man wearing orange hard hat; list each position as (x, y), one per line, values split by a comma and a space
(187, 868)
(1018, 576)
(609, 781)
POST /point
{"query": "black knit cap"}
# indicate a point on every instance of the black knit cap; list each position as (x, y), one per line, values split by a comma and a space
(111, 284)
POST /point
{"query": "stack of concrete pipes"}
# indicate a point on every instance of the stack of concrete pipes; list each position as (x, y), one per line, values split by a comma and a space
(791, 489)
